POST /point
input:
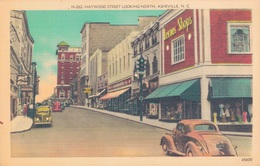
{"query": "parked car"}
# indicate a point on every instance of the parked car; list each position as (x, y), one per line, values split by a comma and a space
(42, 116)
(195, 137)
(57, 106)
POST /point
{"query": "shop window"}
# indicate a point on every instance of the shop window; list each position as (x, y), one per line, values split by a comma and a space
(239, 38)
(178, 50)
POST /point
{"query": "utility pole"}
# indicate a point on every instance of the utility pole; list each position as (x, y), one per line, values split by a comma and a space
(34, 72)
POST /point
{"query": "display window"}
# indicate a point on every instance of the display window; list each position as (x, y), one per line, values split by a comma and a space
(232, 110)
(176, 109)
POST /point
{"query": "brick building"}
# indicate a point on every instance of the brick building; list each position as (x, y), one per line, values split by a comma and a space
(206, 65)
(68, 62)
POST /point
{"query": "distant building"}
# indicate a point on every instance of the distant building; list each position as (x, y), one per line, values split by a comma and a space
(120, 70)
(68, 62)
(21, 51)
(98, 66)
(103, 36)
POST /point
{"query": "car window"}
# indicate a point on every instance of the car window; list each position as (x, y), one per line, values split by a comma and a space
(181, 128)
(205, 127)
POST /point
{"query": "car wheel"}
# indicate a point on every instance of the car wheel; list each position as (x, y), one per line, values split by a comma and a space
(190, 149)
(164, 148)
(189, 152)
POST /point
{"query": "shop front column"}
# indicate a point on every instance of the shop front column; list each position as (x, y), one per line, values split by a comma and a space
(205, 104)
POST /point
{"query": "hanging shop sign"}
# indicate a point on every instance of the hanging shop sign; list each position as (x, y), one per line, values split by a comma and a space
(22, 80)
(182, 24)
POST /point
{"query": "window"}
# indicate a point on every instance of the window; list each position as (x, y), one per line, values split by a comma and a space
(135, 50)
(62, 56)
(62, 93)
(147, 67)
(239, 38)
(147, 42)
(141, 46)
(155, 64)
(178, 50)
(205, 127)
(71, 57)
(154, 38)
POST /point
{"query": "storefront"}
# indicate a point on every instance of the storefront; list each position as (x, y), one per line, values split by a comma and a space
(94, 99)
(116, 100)
(231, 99)
(176, 101)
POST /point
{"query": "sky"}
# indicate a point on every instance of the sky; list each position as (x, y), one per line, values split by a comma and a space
(49, 28)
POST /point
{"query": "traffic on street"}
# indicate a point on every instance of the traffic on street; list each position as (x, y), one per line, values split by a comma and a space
(78, 132)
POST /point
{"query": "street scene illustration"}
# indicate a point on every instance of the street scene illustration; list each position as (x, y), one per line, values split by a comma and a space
(131, 83)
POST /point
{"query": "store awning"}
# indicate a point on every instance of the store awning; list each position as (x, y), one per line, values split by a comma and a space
(115, 94)
(230, 88)
(188, 90)
(97, 95)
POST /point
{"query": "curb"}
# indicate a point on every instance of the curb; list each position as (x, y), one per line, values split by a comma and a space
(103, 112)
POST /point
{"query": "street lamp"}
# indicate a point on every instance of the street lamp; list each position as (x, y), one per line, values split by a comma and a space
(34, 80)
(140, 66)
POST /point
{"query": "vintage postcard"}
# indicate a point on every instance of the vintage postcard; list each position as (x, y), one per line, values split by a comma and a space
(135, 83)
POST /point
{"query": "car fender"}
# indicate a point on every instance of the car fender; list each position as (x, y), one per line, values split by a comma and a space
(169, 141)
(196, 149)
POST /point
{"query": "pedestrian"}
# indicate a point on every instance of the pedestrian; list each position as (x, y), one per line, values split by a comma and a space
(25, 110)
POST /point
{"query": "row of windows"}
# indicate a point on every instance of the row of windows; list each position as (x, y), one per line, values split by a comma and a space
(149, 41)
(238, 42)
(119, 66)
(77, 58)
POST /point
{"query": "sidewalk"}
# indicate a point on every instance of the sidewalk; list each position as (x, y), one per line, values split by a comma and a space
(20, 124)
(154, 122)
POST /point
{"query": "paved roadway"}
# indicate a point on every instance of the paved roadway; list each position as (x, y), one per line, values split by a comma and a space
(82, 133)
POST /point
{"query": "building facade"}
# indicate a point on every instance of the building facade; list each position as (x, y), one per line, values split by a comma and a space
(21, 52)
(206, 60)
(68, 62)
(120, 69)
(98, 67)
(147, 44)
(103, 36)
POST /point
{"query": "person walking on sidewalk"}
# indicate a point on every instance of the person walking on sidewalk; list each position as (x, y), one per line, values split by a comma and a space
(25, 110)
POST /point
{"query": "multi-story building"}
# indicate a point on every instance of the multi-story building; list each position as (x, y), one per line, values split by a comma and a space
(206, 65)
(120, 70)
(68, 62)
(21, 51)
(98, 66)
(103, 36)
(147, 45)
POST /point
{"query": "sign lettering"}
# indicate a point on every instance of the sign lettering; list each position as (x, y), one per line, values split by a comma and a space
(182, 24)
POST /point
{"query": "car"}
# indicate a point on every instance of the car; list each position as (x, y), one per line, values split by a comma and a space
(42, 116)
(196, 137)
(57, 106)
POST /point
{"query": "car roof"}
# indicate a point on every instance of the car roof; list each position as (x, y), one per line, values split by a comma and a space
(193, 122)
